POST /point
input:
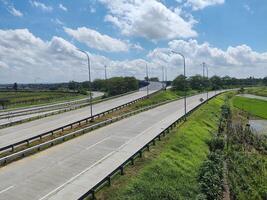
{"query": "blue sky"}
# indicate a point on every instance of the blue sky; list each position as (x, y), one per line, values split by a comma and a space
(229, 35)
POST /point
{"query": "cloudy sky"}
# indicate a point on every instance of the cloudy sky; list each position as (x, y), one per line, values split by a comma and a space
(39, 38)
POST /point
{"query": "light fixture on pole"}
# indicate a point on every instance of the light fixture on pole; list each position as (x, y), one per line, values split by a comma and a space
(89, 84)
(147, 89)
(185, 113)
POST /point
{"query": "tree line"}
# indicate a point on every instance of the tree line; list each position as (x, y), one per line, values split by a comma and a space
(201, 83)
(111, 86)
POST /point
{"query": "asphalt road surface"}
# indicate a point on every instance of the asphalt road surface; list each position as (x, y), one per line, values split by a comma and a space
(68, 170)
(23, 131)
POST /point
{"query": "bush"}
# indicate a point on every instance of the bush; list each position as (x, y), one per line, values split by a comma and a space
(211, 177)
(216, 143)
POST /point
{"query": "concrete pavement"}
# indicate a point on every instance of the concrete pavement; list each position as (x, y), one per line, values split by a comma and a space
(21, 132)
(68, 170)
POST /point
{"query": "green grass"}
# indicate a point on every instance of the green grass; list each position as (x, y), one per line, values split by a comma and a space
(247, 175)
(253, 106)
(172, 172)
(246, 153)
(21, 99)
(261, 91)
(161, 96)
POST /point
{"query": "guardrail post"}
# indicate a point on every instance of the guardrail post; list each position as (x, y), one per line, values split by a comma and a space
(154, 142)
(109, 181)
(132, 161)
(121, 169)
(140, 153)
(159, 137)
(93, 194)
(147, 146)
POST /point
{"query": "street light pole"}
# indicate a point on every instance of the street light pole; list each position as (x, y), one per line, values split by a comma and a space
(105, 72)
(89, 84)
(185, 113)
(162, 77)
(147, 89)
(205, 66)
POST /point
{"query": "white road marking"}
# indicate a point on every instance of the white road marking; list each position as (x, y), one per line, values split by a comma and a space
(99, 161)
(98, 142)
(70, 180)
(8, 188)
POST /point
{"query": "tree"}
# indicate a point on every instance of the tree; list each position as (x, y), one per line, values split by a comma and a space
(15, 86)
(155, 79)
(264, 80)
(197, 82)
(180, 83)
(73, 85)
(4, 103)
(216, 82)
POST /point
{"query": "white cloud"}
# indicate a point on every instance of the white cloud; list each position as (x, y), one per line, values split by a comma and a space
(41, 6)
(23, 57)
(62, 7)
(240, 61)
(150, 19)
(201, 4)
(97, 40)
(12, 10)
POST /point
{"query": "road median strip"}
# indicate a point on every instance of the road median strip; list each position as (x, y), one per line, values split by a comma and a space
(32, 145)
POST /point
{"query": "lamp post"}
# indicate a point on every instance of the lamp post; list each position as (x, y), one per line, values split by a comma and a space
(162, 77)
(185, 113)
(205, 67)
(89, 76)
(147, 89)
(105, 72)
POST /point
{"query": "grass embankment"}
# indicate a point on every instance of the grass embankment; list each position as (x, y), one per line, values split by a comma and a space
(246, 155)
(255, 107)
(22, 99)
(261, 91)
(171, 169)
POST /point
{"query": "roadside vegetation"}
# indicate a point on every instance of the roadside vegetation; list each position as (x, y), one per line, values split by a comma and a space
(13, 99)
(245, 154)
(172, 170)
(260, 91)
(254, 107)
(19, 97)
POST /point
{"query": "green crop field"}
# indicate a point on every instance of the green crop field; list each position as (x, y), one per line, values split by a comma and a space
(171, 171)
(261, 91)
(27, 98)
(253, 106)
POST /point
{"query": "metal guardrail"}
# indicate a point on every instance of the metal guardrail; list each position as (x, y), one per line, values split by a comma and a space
(57, 140)
(107, 179)
(27, 141)
(46, 106)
